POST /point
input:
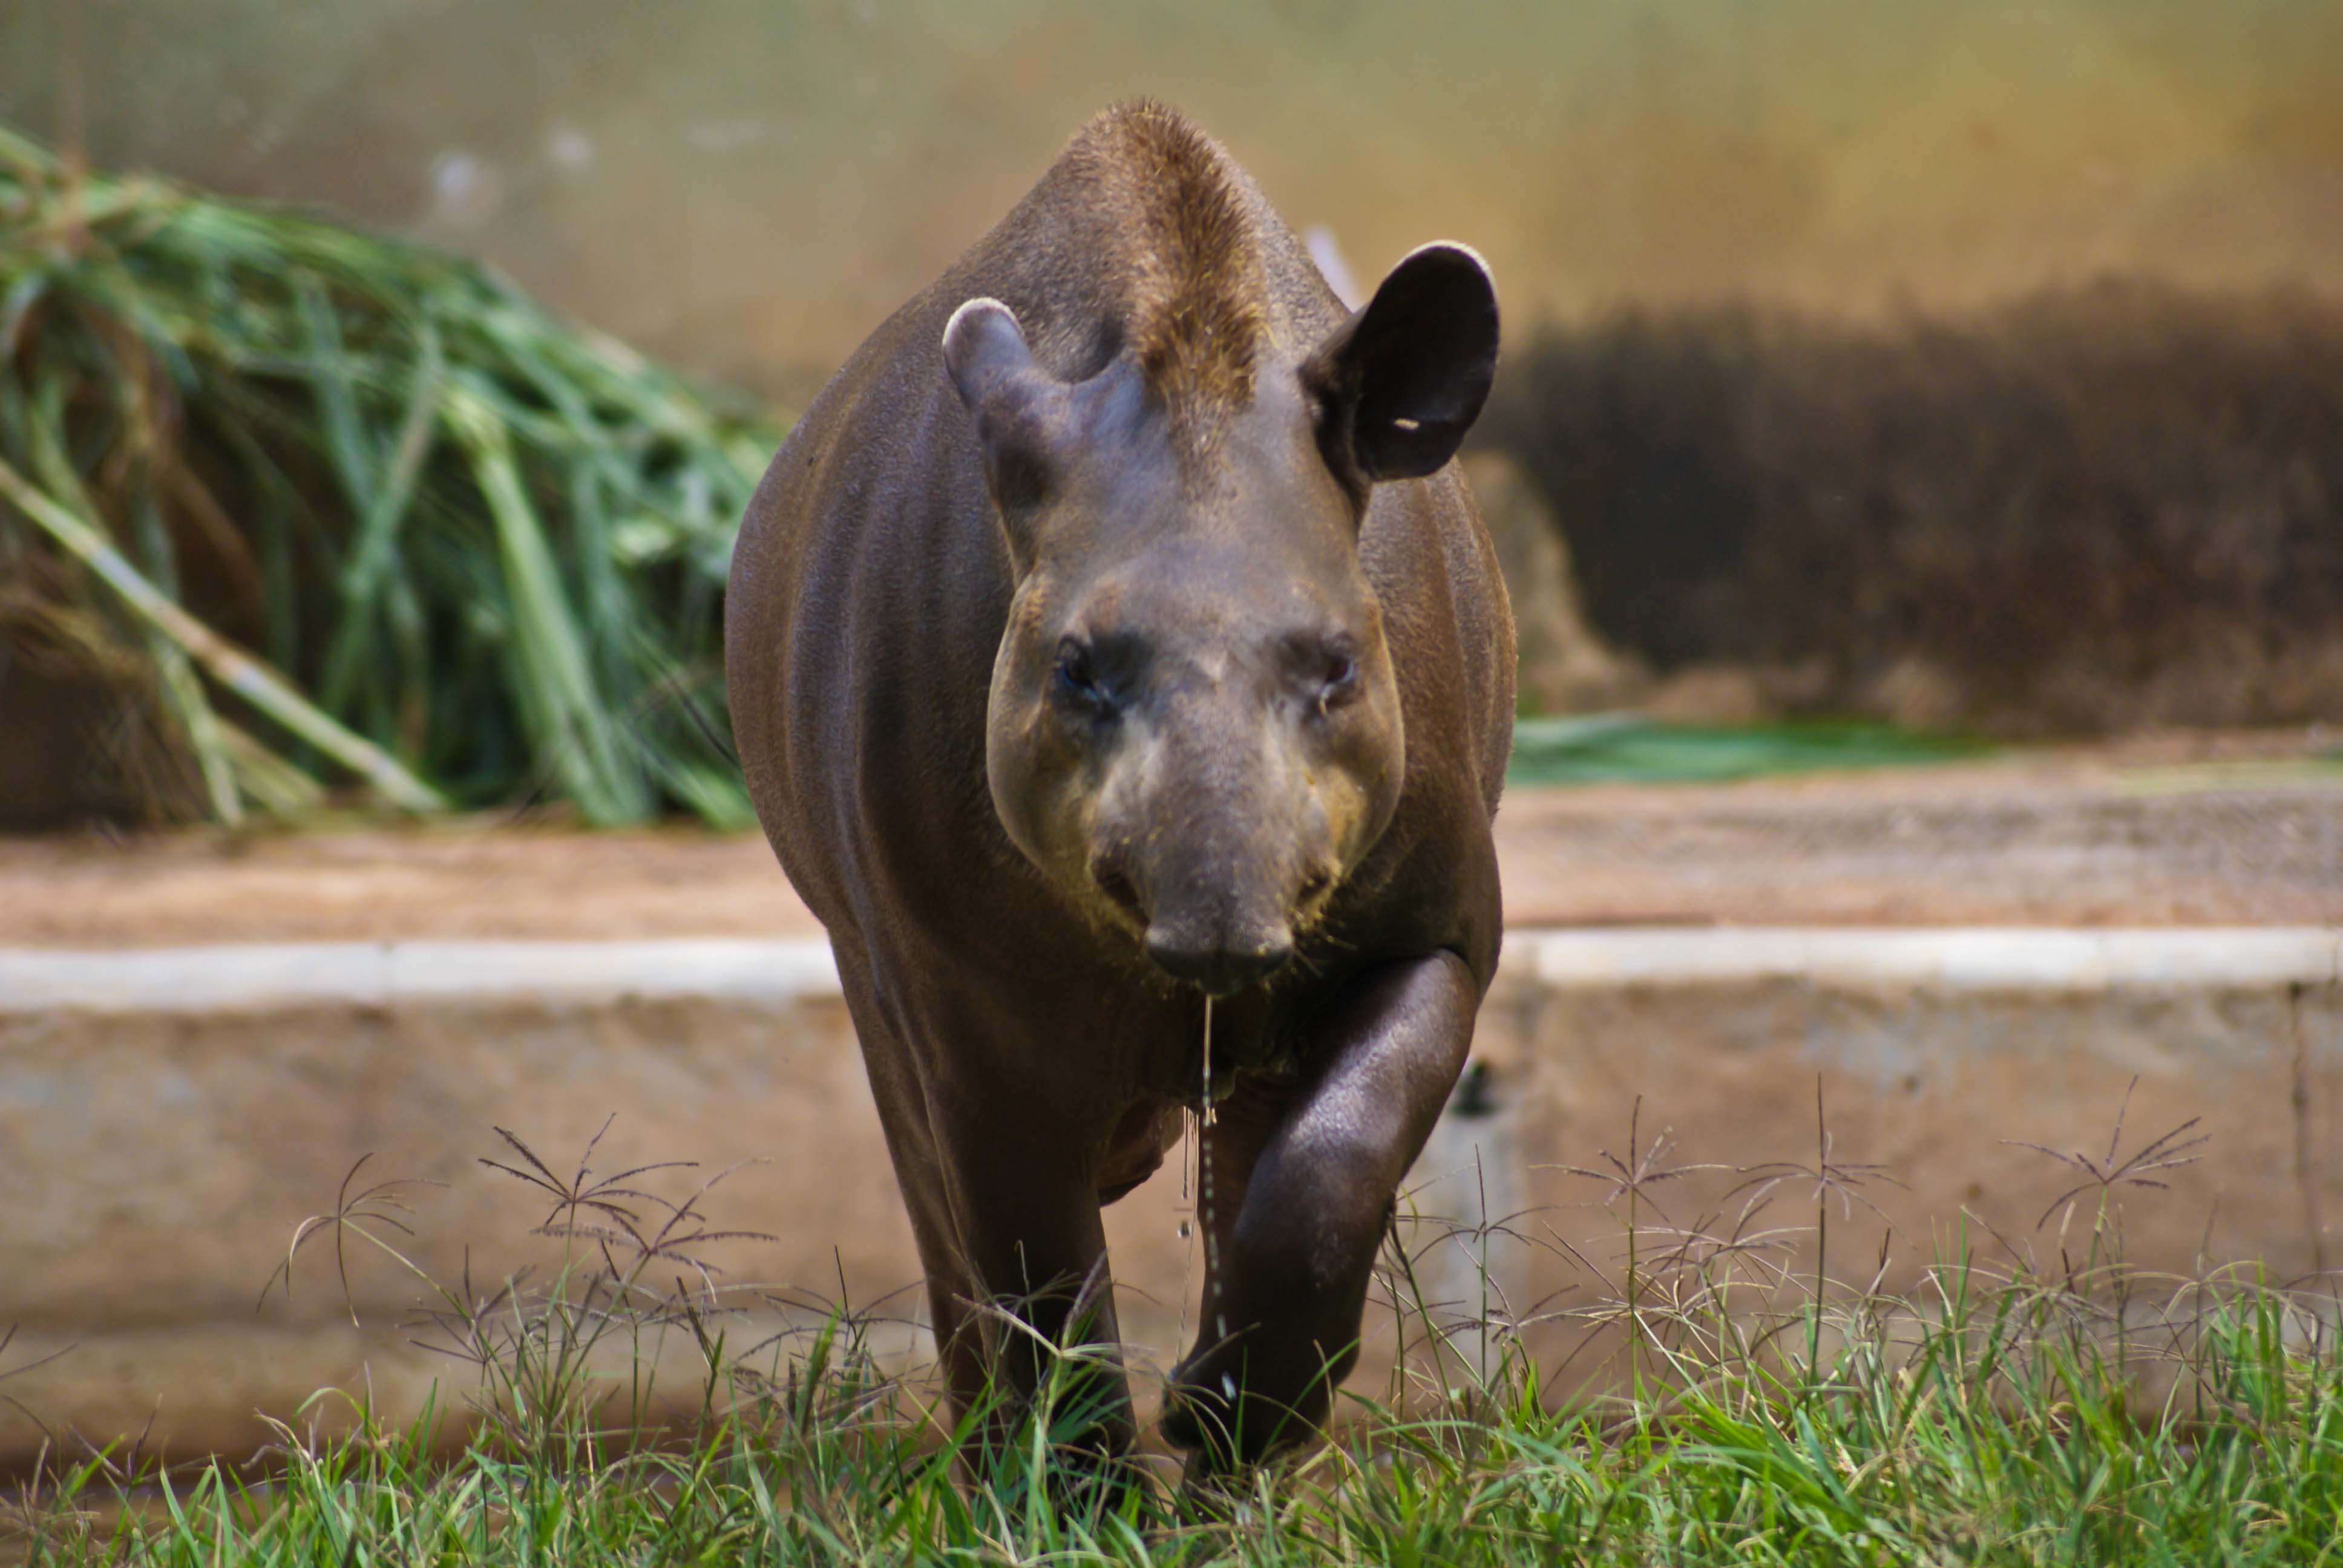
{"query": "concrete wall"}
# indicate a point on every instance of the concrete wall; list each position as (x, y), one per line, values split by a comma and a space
(751, 186)
(168, 1117)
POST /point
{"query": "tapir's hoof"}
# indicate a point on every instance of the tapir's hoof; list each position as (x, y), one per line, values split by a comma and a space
(1230, 1426)
(1189, 1424)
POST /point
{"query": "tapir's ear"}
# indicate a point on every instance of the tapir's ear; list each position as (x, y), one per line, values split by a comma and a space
(1012, 397)
(985, 352)
(1399, 383)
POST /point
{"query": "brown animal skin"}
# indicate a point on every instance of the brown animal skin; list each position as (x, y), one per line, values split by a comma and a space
(1114, 631)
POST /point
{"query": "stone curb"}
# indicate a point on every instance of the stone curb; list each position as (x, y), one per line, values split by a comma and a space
(1954, 958)
(257, 977)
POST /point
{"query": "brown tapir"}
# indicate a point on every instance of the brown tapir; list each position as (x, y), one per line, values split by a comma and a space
(1112, 633)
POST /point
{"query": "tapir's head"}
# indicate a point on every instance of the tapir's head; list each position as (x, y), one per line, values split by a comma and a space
(1195, 726)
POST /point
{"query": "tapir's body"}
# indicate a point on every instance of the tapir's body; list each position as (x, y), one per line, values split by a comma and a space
(1032, 1012)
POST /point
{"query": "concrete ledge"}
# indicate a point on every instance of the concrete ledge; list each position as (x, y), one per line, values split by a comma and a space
(263, 976)
(167, 1117)
(1978, 959)
(248, 977)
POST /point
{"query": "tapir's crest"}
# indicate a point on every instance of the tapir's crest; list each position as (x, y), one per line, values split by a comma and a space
(1111, 647)
(1190, 260)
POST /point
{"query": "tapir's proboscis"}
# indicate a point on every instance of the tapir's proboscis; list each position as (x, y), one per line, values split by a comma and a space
(1114, 640)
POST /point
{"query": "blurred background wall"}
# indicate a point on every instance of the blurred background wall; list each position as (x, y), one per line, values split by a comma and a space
(749, 187)
(1968, 364)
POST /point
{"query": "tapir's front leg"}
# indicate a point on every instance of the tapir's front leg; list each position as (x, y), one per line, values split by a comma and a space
(1285, 1294)
(1030, 1234)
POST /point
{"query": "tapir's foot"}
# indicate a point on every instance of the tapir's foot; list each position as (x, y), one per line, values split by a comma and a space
(1225, 1422)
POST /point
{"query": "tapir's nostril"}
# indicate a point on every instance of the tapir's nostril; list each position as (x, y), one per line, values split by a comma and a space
(1219, 967)
(1119, 889)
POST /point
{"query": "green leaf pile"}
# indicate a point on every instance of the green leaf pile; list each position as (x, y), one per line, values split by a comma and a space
(319, 508)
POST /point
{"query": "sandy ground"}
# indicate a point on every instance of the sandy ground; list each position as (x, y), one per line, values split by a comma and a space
(2172, 830)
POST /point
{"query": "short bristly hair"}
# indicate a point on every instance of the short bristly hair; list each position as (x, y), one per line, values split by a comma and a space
(1195, 296)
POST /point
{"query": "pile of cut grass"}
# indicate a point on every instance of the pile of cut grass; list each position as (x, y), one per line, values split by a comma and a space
(2007, 1417)
(310, 506)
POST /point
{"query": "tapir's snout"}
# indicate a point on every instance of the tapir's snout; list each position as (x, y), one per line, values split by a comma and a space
(1209, 937)
(1220, 961)
(1217, 868)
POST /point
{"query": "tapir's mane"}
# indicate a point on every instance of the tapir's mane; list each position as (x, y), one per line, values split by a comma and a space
(1191, 256)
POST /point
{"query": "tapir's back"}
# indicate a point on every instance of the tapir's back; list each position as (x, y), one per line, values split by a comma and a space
(872, 583)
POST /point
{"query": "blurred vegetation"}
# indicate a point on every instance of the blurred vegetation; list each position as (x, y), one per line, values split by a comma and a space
(1626, 747)
(2085, 509)
(281, 503)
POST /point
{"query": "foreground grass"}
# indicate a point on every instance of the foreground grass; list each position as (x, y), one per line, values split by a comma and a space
(1927, 1467)
(2086, 1414)
(1976, 1438)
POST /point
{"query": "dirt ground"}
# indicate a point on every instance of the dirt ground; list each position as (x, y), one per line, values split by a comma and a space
(2215, 829)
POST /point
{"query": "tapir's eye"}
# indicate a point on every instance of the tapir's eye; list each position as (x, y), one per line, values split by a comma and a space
(1338, 680)
(1077, 677)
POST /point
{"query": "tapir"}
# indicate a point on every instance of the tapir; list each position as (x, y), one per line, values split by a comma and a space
(1113, 641)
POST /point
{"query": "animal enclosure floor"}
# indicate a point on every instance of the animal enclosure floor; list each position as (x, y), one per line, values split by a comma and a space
(2183, 829)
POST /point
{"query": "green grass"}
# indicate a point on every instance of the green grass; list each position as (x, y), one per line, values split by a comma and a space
(2082, 1415)
(1966, 1452)
(1626, 747)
